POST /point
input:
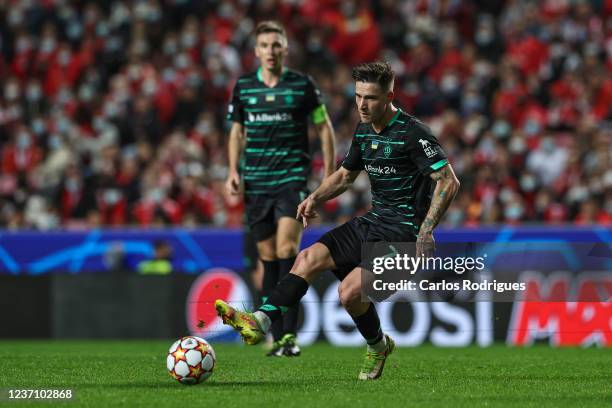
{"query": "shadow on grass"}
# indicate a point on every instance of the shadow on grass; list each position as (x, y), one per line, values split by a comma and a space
(174, 385)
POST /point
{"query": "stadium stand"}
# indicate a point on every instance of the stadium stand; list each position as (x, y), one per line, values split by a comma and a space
(111, 115)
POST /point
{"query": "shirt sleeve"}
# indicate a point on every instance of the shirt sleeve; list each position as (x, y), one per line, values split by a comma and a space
(425, 151)
(235, 110)
(353, 161)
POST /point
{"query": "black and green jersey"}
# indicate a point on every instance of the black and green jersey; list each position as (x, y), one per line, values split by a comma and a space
(398, 161)
(276, 121)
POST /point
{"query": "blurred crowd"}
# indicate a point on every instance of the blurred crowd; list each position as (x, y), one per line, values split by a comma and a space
(113, 113)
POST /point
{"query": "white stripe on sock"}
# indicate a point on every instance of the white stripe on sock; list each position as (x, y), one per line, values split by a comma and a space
(377, 347)
(263, 320)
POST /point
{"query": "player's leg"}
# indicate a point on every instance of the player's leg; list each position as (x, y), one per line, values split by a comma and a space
(262, 226)
(366, 319)
(340, 246)
(288, 237)
(267, 253)
(362, 311)
(253, 326)
(253, 266)
(308, 264)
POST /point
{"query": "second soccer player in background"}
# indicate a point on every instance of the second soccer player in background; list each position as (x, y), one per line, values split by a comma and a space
(268, 148)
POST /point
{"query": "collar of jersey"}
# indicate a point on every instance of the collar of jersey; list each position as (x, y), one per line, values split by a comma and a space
(391, 122)
(260, 76)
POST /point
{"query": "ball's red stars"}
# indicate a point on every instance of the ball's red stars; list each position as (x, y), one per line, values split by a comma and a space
(174, 375)
(195, 372)
(179, 355)
(203, 349)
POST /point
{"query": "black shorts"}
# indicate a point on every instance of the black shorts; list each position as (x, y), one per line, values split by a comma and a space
(344, 242)
(264, 210)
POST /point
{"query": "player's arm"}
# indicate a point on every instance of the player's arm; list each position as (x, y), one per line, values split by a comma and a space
(325, 130)
(235, 146)
(447, 186)
(331, 187)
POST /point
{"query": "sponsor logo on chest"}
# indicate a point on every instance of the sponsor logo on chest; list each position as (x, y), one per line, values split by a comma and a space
(270, 117)
(380, 169)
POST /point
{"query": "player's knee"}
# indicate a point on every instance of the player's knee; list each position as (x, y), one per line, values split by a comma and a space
(267, 251)
(349, 296)
(286, 250)
(267, 256)
(304, 263)
(302, 260)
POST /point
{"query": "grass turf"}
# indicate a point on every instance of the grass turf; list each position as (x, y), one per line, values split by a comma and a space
(132, 373)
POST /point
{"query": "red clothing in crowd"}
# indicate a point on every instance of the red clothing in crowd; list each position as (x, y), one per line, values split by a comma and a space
(145, 211)
(528, 54)
(15, 159)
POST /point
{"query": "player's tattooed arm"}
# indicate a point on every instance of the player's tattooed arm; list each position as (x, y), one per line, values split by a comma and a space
(447, 187)
(237, 139)
(328, 147)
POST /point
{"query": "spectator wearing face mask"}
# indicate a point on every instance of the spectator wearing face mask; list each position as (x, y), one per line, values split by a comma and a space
(519, 91)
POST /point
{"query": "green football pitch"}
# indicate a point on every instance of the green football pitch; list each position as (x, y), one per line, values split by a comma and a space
(133, 373)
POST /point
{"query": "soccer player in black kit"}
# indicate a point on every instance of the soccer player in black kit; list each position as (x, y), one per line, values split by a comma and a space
(270, 111)
(403, 161)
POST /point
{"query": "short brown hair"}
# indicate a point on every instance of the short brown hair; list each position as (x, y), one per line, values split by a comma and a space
(378, 72)
(270, 26)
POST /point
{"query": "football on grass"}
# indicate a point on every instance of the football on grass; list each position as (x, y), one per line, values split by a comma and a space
(190, 360)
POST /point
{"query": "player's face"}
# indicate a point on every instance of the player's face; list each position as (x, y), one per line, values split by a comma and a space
(271, 49)
(372, 101)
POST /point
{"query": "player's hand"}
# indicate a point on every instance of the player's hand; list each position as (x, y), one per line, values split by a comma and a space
(306, 210)
(232, 184)
(425, 244)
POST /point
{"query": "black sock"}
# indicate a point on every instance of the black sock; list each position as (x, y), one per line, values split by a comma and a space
(368, 325)
(285, 295)
(290, 318)
(270, 280)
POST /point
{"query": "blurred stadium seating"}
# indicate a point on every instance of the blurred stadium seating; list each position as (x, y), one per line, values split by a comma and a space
(112, 113)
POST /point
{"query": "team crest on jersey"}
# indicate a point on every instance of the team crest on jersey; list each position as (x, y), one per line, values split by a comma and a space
(429, 151)
(289, 99)
(387, 151)
(270, 97)
(252, 100)
(363, 146)
(374, 144)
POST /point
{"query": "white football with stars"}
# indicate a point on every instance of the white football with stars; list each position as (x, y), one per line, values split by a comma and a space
(190, 360)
